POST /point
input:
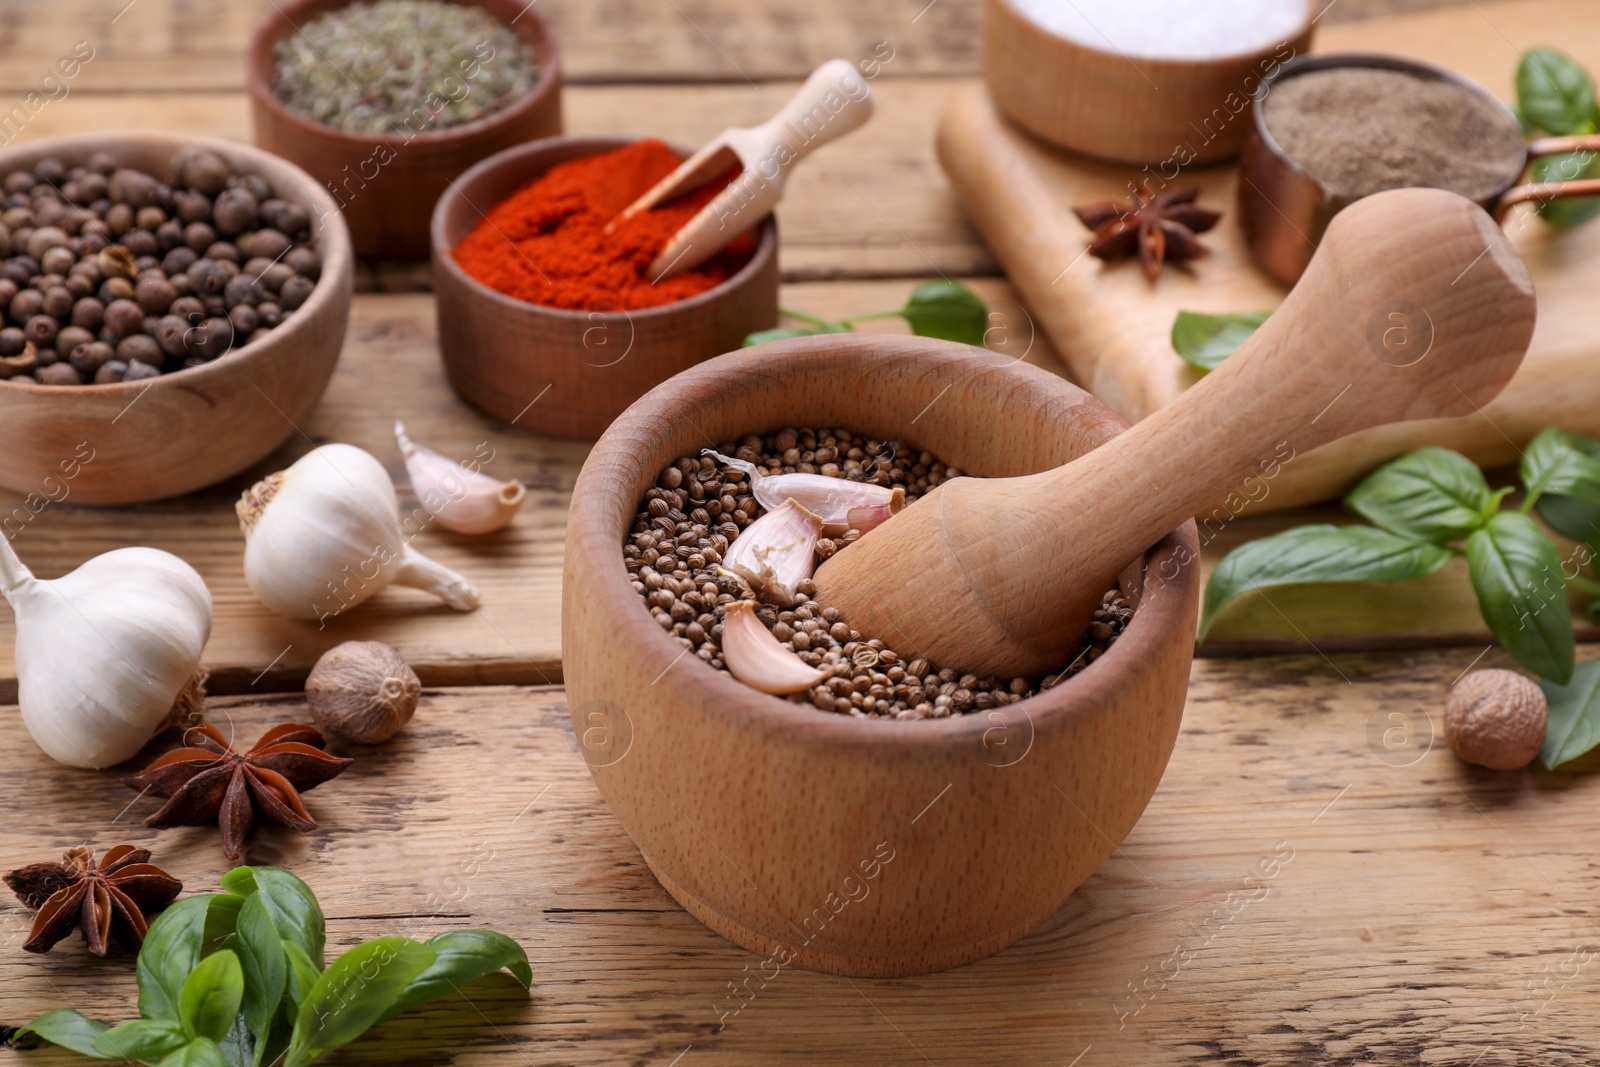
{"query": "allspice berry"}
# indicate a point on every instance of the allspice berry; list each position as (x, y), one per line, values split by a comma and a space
(362, 691)
(1495, 719)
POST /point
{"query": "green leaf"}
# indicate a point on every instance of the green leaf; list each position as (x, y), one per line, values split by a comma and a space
(761, 337)
(1568, 166)
(172, 948)
(201, 1052)
(302, 974)
(947, 310)
(1575, 518)
(463, 956)
(1432, 494)
(290, 904)
(1574, 716)
(238, 1047)
(141, 1039)
(211, 995)
(260, 950)
(1317, 554)
(353, 994)
(1553, 92)
(69, 1029)
(1516, 571)
(1562, 462)
(1204, 341)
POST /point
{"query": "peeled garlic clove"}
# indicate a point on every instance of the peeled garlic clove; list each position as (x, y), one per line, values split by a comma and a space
(756, 658)
(776, 552)
(325, 536)
(107, 654)
(830, 499)
(362, 691)
(460, 499)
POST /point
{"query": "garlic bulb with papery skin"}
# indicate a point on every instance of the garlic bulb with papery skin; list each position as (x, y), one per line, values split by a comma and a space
(107, 654)
(459, 498)
(777, 552)
(838, 502)
(325, 535)
(755, 657)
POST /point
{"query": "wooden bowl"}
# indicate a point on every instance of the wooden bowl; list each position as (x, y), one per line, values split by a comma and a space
(849, 845)
(569, 373)
(387, 184)
(1165, 112)
(166, 436)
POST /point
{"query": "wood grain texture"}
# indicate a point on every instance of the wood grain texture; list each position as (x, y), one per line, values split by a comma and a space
(1289, 897)
(1114, 327)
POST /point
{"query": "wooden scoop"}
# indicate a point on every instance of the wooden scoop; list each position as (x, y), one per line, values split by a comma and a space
(1415, 307)
(833, 101)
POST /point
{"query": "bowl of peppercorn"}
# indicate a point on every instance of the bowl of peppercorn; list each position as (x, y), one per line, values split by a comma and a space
(171, 308)
(386, 101)
(881, 814)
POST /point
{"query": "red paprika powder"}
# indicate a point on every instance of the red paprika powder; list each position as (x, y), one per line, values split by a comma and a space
(547, 243)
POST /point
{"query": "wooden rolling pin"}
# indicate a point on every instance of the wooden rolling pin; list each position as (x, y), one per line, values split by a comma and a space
(1415, 307)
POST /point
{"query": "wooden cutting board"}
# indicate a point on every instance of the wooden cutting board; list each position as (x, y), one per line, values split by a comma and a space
(1112, 327)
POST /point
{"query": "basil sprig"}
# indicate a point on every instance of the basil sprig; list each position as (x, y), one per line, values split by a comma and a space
(944, 309)
(1204, 341)
(1556, 95)
(1432, 504)
(236, 979)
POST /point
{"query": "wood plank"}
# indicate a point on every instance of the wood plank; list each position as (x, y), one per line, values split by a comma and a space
(1296, 892)
(152, 45)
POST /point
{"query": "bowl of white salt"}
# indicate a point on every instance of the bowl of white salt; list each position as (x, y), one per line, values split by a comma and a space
(1159, 83)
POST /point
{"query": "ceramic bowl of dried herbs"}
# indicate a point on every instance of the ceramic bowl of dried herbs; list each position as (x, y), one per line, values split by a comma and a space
(176, 307)
(386, 101)
(899, 819)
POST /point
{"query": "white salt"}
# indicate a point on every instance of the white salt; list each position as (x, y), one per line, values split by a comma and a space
(1170, 29)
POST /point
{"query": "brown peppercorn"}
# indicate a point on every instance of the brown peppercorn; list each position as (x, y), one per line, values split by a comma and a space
(178, 261)
(26, 304)
(140, 243)
(110, 372)
(171, 333)
(297, 290)
(41, 330)
(58, 260)
(133, 188)
(191, 207)
(154, 293)
(87, 359)
(119, 218)
(89, 313)
(245, 320)
(199, 236)
(208, 277)
(266, 243)
(223, 252)
(303, 260)
(138, 372)
(188, 308)
(212, 338)
(12, 341)
(124, 317)
(242, 289)
(141, 348)
(205, 172)
(70, 337)
(57, 302)
(57, 374)
(1496, 719)
(169, 235)
(234, 211)
(113, 289)
(150, 217)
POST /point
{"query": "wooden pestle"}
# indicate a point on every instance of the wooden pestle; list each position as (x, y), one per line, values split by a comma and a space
(1415, 307)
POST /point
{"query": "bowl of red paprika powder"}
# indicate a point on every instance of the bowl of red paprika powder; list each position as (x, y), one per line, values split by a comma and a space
(547, 316)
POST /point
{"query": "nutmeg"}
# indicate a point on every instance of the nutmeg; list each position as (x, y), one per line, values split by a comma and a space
(1495, 719)
(362, 691)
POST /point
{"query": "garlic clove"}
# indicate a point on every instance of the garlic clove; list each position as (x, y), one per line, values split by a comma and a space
(776, 552)
(830, 499)
(458, 497)
(107, 654)
(756, 658)
(362, 691)
(325, 536)
(871, 516)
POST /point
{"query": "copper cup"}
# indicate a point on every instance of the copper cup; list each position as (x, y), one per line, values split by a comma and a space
(1284, 209)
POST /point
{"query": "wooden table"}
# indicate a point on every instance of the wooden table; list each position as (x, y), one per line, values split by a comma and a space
(1416, 912)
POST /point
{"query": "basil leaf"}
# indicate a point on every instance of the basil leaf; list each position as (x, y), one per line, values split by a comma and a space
(1558, 461)
(1574, 727)
(172, 948)
(141, 1039)
(237, 1046)
(211, 996)
(1516, 571)
(1432, 494)
(1317, 554)
(353, 993)
(783, 333)
(947, 310)
(289, 902)
(1204, 341)
(462, 956)
(1553, 92)
(260, 951)
(201, 1052)
(1566, 167)
(70, 1030)
(302, 974)
(1577, 519)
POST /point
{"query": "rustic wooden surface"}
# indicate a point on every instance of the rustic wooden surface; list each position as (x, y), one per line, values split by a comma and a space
(1296, 893)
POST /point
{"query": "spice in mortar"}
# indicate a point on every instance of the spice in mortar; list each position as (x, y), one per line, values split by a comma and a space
(548, 242)
(402, 67)
(689, 521)
(111, 274)
(1170, 29)
(1361, 130)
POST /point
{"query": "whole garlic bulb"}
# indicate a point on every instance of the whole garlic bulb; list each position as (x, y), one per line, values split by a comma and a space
(324, 535)
(459, 499)
(362, 691)
(107, 654)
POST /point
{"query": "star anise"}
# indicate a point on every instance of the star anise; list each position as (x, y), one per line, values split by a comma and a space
(104, 900)
(208, 781)
(1158, 227)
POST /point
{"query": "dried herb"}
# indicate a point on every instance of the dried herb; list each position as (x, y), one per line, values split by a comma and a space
(106, 900)
(1155, 226)
(944, 309)
(207, 781)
